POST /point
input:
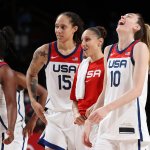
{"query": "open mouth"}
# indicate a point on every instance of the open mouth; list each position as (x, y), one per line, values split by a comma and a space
(84, 49)
(121, 22)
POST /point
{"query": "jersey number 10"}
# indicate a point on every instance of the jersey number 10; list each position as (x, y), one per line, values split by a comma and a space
(115, 78)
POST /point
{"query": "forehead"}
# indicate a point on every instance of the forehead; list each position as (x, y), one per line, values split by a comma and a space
(62, 19)
(88, 33)
(131, 15)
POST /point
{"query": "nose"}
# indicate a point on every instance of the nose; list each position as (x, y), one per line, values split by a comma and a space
(58, 29)
(83, 43)
(122, 17)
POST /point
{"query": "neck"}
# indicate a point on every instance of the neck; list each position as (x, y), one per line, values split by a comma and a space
(96, 57)
(66, 47)
(124, 42)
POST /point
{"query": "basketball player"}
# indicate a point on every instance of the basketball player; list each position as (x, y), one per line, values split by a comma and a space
(7, 93)
(23, 131)
(61, 59)
(92, 68)
(19, 82)
(7, 96)
(122, 119)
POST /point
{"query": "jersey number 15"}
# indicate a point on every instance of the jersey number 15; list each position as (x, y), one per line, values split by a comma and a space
(64, 82)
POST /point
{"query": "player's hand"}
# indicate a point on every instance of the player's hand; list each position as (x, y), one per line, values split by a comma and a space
(79, 120)
(39, 110)
(89, 110)
(28, 129)
(98, 115)
(86, 133)
(10, 137)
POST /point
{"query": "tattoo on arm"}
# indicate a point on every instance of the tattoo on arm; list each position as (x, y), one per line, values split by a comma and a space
(34, 83)
(35, 66)
(40, 54)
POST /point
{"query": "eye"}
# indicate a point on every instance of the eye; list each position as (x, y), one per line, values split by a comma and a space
(56, 26)
(63, 27)
(87, 39)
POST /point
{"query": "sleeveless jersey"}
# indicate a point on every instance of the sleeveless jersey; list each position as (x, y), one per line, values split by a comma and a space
(129, 121)
(93, 85)
(60, 71)
(3, 126)
(20, 108)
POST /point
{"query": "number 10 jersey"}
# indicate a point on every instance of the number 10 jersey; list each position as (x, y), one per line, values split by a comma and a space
(129, 121)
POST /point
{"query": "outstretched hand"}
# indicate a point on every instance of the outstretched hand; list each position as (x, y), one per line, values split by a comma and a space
(10, 137)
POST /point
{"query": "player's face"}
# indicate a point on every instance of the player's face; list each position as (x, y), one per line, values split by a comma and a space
(128, 22)
(90, 43)
(63, 29)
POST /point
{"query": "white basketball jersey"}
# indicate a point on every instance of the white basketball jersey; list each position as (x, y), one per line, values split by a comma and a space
(3, 125)
(20, 110)
(60, 72)
(129, 121)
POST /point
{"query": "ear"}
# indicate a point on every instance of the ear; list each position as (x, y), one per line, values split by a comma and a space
(101, 41)
(137, 27)
(75, 28)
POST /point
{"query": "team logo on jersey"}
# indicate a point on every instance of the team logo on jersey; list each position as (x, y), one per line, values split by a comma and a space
(93, 73)
(112, 54)
(127, 53)
(53, 57)
(75, 58)
(64, 68)
(117, 63)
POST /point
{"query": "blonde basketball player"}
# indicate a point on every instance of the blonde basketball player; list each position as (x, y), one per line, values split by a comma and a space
(122, 119)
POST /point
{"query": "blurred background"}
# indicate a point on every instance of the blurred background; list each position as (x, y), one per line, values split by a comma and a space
(33, 22)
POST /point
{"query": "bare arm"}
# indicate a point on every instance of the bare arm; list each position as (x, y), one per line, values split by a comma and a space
(41, 92)
(141, 57)
(9, 88)
(39, 59)
(100, 101)
(78, 118)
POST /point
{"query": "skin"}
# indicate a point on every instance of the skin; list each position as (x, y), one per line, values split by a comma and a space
(64, 32)
(41, 92)
(8, 82)
(141, 56)
(92, 46)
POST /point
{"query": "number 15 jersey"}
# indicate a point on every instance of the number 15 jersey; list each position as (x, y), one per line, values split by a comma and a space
(60, 71)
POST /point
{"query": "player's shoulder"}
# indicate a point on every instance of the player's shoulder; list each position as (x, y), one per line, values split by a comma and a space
(43, 48)
(107, 49)
(141, 47)
(6, 72)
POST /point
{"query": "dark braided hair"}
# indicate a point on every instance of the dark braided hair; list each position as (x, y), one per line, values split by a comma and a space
(7, 36)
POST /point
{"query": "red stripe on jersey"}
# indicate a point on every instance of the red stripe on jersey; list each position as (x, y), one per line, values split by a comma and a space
(56, 56)
(127, 52)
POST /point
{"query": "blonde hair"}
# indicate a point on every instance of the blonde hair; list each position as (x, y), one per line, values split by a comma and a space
(144, 33)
